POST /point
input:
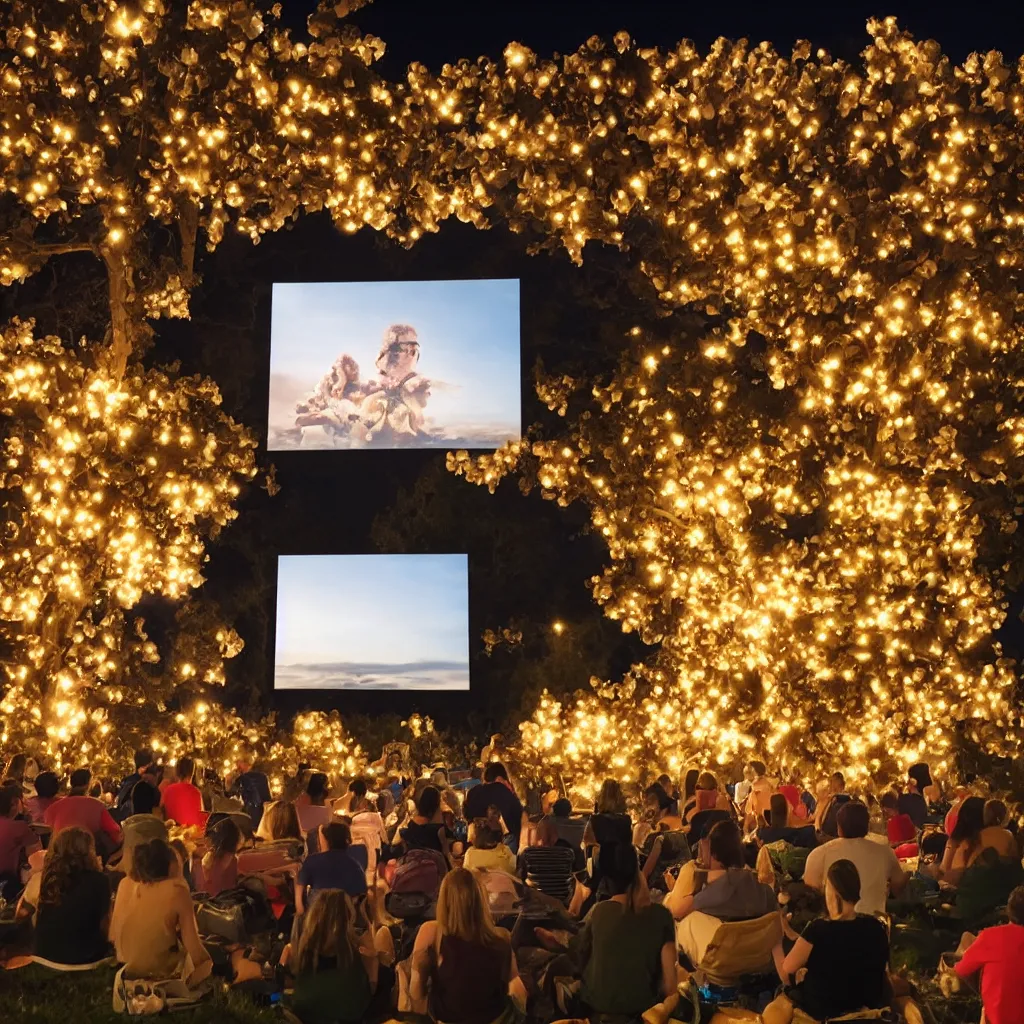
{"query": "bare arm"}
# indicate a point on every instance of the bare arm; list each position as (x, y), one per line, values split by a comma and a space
(669, 979)
(797, 958)
(516, 988)
(422, 953)
(300, 898)
(653, 856)
(202, 963)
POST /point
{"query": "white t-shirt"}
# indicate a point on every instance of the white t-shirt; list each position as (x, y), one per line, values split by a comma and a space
(876, 864)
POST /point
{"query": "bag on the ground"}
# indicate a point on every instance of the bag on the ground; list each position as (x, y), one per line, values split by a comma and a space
(142, 997)
(237, 915)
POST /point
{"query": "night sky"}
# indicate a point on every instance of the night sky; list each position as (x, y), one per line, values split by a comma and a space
(329, 502)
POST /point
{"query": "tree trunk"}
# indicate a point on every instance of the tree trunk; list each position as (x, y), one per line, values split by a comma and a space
(123, 326)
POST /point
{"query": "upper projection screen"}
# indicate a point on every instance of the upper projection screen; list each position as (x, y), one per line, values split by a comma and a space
(372, 622)
(394, 364)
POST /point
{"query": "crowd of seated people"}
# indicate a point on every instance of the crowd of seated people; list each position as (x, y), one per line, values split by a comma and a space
(624, 906)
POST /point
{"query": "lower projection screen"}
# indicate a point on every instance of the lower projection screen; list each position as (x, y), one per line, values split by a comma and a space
(372, 622)
(394, 364)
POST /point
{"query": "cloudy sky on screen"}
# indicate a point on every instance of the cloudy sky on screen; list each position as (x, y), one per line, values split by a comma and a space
(379, 609)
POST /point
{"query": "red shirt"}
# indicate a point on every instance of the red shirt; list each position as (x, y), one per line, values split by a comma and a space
(16, 837)
(901, 829)
(998, 953)
(84, 812)
(182, 802)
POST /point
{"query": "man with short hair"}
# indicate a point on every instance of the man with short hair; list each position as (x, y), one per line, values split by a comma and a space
(85, 812)
(497, 790)
(17, 841)
(998, 953)
(879, 870)
(182, 801)
(47, 792)
(335, 868)
(144, 757)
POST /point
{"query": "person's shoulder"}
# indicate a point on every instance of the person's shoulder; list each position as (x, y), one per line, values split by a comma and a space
(660, 913)
(871, 925)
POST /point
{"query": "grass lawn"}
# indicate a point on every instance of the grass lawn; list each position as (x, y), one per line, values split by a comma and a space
(37, 995)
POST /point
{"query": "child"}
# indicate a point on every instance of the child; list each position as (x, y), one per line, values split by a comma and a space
(220, 865)
(488, 852)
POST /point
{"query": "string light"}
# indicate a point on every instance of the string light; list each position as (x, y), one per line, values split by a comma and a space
(815, 537)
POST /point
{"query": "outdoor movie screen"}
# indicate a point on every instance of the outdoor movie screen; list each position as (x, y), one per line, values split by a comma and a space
(394, 364)
(372, 622)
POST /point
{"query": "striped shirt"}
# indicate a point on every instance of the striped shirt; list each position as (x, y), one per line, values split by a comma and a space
(549, 868)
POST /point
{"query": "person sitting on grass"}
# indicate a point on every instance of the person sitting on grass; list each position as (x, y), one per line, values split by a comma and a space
(969, 839)
(17, 841)
(314, 811)
(220, 863)
(488, 852)
(74, 902)
(426, 830)
(846, 956)
(878, 869)
(781, 826)
(547, 865)
(145, 822)
(153, 926)
(462, 965)
(182, 801)
(626, 949)
(899, 826)
(702, 898)
(826, 816)
(998, 953)
(84, 811)
(47, 792)
(335, 868)
(338, 975)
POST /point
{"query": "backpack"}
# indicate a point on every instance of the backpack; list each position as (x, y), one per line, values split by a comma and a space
(416, 883)
(420, 871)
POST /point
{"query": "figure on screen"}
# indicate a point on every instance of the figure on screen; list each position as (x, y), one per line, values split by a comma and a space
(387, 410)
(396, 401)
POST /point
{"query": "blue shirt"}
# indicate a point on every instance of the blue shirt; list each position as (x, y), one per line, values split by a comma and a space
(333, 869)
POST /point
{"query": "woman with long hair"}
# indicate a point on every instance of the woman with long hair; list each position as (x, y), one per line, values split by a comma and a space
(609, 822)
(969, 838)
(281, 821)
(336, 969)
(846, 956)
(153, 926)
(461, 963)
(74, 902)
(688, 798)
(220, 863)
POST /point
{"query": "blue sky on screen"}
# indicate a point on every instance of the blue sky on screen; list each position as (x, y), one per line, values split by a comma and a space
(381, 609)
(468, 332)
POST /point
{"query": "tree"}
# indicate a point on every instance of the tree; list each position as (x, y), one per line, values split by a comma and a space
(130, 133)
(812, 514)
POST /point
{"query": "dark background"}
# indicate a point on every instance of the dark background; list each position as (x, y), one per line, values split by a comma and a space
(529, 560)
